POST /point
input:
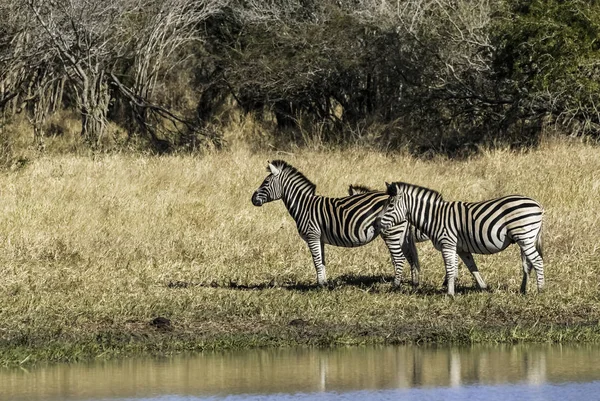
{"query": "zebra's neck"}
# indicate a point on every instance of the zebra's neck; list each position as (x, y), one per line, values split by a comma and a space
(296, 189)
(422, 212)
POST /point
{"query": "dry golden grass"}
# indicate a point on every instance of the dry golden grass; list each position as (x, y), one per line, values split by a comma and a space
(94, 248)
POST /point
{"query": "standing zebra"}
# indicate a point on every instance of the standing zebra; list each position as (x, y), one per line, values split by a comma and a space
(470, 227)
(413, 235)
(345, 222)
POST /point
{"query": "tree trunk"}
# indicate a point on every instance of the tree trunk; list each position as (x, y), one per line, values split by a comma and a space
(94, 100)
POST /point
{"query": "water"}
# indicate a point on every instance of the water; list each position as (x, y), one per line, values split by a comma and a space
(369, 373)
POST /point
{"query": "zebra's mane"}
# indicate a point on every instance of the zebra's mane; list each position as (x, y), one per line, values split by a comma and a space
(292, 171)
(399, 186)
(360, 189)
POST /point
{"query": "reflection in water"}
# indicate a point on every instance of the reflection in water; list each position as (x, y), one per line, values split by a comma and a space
(305, 371)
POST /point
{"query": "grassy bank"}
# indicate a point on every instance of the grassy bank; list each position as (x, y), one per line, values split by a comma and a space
(93, 249)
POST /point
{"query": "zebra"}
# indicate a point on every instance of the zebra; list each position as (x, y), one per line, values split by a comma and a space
(413, 235)
(343, 222)
(464, 228)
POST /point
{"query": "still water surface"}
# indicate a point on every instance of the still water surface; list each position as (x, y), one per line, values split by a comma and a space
(370, 373)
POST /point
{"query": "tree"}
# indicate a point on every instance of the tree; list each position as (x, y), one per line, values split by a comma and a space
(549, 51)
(153, 40)
(78, 33)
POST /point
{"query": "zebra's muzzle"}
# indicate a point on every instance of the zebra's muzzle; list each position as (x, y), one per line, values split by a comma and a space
(256, 201)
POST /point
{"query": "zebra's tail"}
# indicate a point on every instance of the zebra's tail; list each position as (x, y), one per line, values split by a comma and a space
(539, 243)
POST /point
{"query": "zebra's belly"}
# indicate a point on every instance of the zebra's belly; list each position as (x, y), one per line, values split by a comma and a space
(349, 240)
(486, 247)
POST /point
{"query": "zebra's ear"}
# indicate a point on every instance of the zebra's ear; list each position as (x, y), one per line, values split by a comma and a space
(274, 170)
(392, 189)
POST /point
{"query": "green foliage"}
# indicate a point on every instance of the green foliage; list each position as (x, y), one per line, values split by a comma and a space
(545, 43)
(550, 50)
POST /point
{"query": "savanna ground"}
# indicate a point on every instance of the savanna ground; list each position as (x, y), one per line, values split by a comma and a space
(94, 248)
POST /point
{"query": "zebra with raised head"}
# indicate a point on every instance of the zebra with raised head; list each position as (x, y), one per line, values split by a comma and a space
(465, 228)
(344, 222)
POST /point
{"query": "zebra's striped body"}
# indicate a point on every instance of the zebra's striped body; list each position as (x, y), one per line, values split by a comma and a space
(344, 222)
(464, 228)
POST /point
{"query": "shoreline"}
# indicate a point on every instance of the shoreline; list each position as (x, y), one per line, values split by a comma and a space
(154, 342)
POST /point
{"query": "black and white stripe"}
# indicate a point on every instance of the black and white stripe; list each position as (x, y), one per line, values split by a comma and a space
(465, 228)
(412, 235)
(344, 222)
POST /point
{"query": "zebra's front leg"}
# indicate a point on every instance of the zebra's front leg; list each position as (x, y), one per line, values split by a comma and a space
(445, 283)
(409, 250)
(395, 241)
(317, 250)
(451, 264)
(398, 262)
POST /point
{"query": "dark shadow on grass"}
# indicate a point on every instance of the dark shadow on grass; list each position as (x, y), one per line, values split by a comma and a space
(430, 290)
(374, 284)
(361, 281)
(233, 285)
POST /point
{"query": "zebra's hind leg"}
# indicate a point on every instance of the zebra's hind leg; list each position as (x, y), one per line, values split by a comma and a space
(317, 250)
(526, 270)
(451, 263)
(531, 259)
(468, 260)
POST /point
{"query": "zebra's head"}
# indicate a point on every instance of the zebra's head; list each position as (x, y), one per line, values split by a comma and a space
(394, 210)
(270, 189)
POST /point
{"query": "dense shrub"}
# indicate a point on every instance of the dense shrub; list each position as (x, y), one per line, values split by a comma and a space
(435, 76)
(549, 49)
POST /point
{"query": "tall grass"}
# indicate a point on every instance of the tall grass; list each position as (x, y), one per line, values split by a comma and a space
(94, 248)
